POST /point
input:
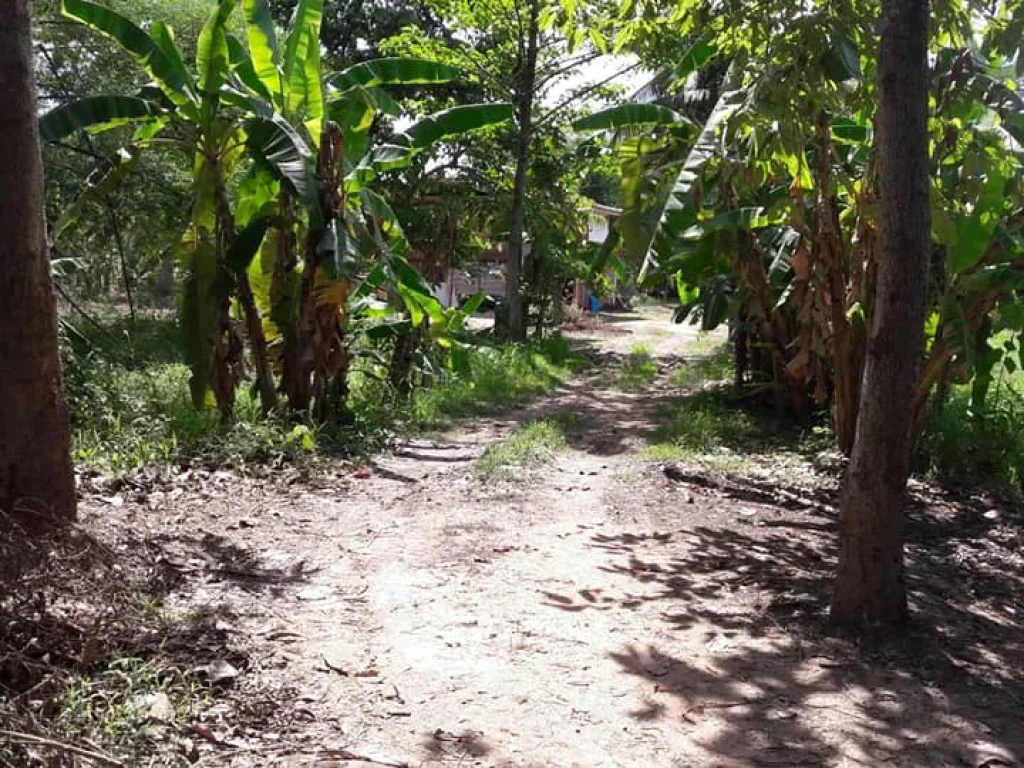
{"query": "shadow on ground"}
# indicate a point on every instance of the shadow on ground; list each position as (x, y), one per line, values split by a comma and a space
(736, 603)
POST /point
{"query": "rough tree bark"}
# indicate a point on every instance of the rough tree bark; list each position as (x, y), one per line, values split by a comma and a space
(870, 591)
(36, 478)
(524, 117)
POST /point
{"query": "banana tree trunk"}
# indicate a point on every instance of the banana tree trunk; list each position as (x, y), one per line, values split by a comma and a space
(227, 352)
(942, 353)
(286, 307)
(322, 340)
(764, 322)
(829, 257)
(253, 320)
(402, 358)
(863, 269)
(258, 344)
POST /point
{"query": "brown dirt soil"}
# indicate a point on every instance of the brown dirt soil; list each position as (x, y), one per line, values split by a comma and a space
(592, 612)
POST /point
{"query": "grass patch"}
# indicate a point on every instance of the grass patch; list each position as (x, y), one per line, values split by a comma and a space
(704, 424)
(130, 406)
(707, 360)
(497, 377)
(709, 428)
(122, 419)
(116, 705)
(985, 448)
(530, 445)
(637, 370)
(133, 344)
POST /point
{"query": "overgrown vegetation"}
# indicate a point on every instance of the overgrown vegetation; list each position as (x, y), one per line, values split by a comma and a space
(963, 444)
(497, 376)
(712, 427)
(305, 210)
(130, 404)
(313, 240)
(969, 446)
(751, 185)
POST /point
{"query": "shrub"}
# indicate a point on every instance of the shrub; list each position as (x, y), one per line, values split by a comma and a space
(986, 448)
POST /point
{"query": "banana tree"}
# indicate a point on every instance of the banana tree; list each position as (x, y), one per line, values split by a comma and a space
(191, 111)
(770, 222)
(310, 135)
(756, 220)
(307, 189)
(978, 275)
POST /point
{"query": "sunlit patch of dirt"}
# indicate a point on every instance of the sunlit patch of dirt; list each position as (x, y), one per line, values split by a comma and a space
(601, 610)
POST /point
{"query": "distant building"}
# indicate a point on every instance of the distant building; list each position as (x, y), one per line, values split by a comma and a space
(600, 221)
(487, 274)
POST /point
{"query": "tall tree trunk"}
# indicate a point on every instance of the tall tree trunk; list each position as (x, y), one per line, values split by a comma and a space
(514, 308)
(36, 479)
(870, 589)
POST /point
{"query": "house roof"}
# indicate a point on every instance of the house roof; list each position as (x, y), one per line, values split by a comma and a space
(605, 210)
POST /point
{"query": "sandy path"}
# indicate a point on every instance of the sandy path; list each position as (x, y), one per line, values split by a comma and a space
(498, 624)
(589, 613)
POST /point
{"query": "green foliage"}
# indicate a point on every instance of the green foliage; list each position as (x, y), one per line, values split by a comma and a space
(767, 216)
(968, 446)
(130, 404)
(151, 56)
(394, 70)
(137, 344)
(352, 32)
(489, 49)
(137, 216)
(456, 121)
(724, 182)
(637, 370)
(123, 420)
(272, 101)
(110, 111)
(616, 118)
(496, 377)
(530, 445)
(704, 362)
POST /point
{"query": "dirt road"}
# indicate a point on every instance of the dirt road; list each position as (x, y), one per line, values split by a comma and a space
(591, 612)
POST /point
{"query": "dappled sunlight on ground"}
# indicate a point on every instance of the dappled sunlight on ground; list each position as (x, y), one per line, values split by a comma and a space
(594, 609)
